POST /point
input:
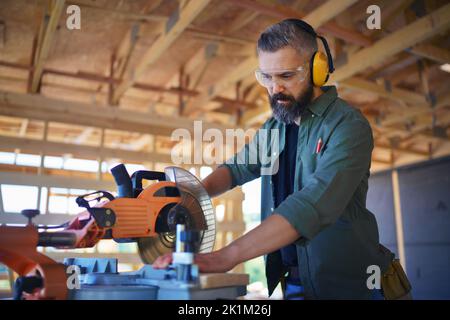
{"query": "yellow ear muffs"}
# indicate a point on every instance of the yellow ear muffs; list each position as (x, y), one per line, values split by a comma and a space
(319, 69)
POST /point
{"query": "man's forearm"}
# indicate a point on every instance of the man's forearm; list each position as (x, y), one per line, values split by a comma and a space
(272, 234)
(218, 182)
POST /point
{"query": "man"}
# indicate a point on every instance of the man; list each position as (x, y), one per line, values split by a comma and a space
(318, 236)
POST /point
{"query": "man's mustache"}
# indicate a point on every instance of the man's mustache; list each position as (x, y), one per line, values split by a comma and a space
(280, 96)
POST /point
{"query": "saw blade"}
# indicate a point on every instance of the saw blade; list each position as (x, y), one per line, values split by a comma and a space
(150, 248)
(201, 217)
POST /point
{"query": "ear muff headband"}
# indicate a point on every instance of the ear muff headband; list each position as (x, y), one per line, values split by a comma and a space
(321, 65)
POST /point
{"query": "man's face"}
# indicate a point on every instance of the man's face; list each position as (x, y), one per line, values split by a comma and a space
(290, 90)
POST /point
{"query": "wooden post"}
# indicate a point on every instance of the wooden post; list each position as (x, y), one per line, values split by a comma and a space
(100, 158)
(44, 139)
(398, 219)
(1, 201)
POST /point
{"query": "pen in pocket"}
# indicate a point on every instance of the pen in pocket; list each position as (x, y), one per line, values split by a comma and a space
(319, 145)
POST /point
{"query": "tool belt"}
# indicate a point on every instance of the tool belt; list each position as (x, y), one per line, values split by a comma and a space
(394, 282)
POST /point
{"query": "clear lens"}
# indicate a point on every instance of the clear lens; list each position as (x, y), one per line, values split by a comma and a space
(281, 77)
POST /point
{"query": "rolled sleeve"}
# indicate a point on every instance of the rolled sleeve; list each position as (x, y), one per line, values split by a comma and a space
(341, 167)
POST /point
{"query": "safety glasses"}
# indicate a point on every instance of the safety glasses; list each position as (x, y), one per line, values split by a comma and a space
(284, 78)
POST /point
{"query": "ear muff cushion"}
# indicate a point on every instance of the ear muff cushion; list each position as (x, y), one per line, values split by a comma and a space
(319, 68)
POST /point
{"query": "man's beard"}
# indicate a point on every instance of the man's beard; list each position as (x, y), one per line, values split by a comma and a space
(292, 110)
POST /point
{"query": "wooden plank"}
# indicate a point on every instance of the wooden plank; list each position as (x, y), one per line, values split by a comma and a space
(412, 112)
(394, 43)
(128, 42)
(186, 15)
(327, 11)
(330, 28)
(241, 71)
(44, 47)
(401, 149)
(398, 219)
(243, 18)
(391, 15)
(124, 50)
(43, 180)
(80, 151)
(42, 108)
(217, 280)
(382, 91)
(90, 5)
(213, 36)
(197, 65)
(439, 55)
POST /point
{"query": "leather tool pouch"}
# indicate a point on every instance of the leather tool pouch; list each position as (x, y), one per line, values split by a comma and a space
(394, 282)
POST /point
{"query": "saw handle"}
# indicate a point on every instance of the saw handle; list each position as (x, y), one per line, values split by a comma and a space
(141, 175)
(83, 201)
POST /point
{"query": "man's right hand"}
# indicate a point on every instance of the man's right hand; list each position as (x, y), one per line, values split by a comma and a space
(163, 261)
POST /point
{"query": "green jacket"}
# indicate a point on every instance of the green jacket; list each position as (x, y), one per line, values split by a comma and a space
(339, 235)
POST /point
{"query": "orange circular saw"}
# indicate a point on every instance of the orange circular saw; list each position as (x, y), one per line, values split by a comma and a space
(147, 216)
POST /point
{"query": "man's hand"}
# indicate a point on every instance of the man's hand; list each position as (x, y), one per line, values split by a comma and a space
(272, 234)
(217, 261)
(163, 261)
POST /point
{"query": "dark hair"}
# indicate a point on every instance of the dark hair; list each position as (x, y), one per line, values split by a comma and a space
(290, 32)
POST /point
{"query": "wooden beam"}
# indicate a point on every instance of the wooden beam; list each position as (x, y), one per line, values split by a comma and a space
(329, 27)
(47, 39)
(383, 91)
(193, 63)
(184, 17)
(394, 43)
(47, 109)
(327, 11)
(439, 55)
(403, 74)
(119, 13)
(44, 180)
(124, 50)
(401, 149)
(241, 71)
(400, 63)
(243, 18)
(80, 151)
(378, 160)
(211, 36)
(398, 218)
(127, 45)
(391, 15)
(197, 65)
(412, 112)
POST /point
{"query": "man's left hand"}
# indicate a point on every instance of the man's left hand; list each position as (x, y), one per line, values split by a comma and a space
(217, 261)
